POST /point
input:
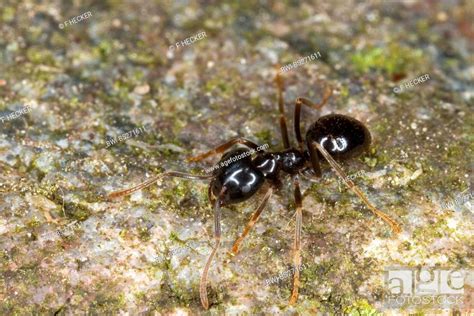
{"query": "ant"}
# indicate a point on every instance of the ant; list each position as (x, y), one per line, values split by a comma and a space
(332, 137)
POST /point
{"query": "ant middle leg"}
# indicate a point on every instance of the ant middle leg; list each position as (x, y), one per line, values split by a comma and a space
(297, 242)
(251, 223)
(297, 112)
(327, 94)
(222, 148)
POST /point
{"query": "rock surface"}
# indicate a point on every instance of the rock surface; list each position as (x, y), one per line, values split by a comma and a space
(99, 103)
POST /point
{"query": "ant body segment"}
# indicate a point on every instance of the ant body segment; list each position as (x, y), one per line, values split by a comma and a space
(332, 137)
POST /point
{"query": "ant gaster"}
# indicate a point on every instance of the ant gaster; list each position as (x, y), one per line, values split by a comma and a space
(332, 137)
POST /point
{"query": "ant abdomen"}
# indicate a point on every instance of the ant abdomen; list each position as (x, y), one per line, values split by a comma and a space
(342, 136)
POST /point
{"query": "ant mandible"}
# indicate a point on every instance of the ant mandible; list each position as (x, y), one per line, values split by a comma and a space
(332, 137)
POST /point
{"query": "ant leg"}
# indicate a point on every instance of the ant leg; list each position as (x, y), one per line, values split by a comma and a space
(297, 123)
(393, 224)
(152, 180)
(251, 223)
(281, 108)
(308, 175)
(217, 237)
(210, 196)
(297, 243)
(297, 113)
(313, 154)
(327, 94)
(221, 148)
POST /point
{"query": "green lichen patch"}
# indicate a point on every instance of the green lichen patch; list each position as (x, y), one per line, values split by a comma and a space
(394, 59)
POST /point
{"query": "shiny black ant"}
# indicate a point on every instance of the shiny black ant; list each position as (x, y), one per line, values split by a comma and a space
(332, 137)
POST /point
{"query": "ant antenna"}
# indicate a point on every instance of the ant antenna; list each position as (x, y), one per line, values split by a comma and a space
(152, 180)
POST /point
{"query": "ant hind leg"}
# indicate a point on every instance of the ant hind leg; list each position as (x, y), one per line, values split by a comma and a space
(348, 182)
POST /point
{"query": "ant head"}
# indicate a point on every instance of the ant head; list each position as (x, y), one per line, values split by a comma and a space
(342, 136)
(238, 175)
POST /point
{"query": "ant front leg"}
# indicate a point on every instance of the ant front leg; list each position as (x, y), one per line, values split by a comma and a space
(217, 238)
(251, 223)
(313, 154)
(222, 148)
